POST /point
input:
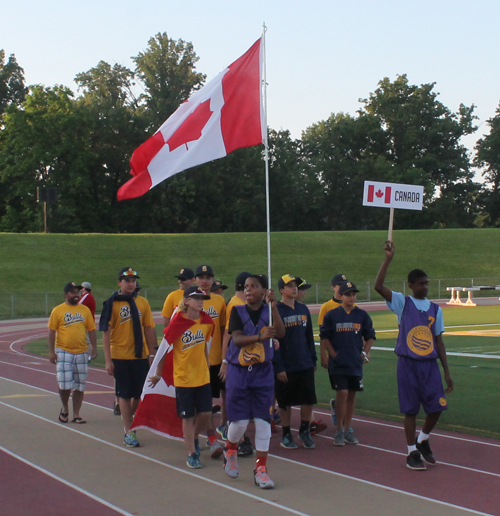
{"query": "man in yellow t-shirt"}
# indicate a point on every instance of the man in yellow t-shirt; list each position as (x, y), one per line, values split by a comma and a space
(129, 343)
(68, 326)
(186, 280)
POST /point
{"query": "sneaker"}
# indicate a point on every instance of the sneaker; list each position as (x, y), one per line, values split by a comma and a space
(288, 442)
(349, 437)
(334, 412)
(116, 410)
(245, 447)
(215, 409)
(426, 452)
(222, 431)
(193, 461)
(197, 448)
(305, 437)
(339, 438)
(316, 427)
(262, 479)
(216, 450)
(414, 461)
(130, 440)
(231, 464)
(277, 417)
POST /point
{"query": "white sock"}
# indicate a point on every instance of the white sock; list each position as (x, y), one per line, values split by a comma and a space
(411, 448)
(422, 437)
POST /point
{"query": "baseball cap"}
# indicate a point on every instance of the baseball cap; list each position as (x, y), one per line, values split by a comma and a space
(196, 292)
(86, 284)
(70, 286)
(204, 269)
(338, 279)
(185, 274)
(304, 285)
(137, 287)
(287, 278)
(218, 284)
(127, 272)
(240, 280)
(347, 286)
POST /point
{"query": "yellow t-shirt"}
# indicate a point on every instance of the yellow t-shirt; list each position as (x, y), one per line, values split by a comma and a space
(234, 301)
(71, 324)
(326, 307)
(190, 362)
(122, 331)
(215, 307)
(171, 302)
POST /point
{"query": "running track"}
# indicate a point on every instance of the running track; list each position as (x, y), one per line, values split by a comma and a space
(51, 469)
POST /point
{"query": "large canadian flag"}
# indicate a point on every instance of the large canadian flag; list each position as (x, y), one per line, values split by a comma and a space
(226, 114)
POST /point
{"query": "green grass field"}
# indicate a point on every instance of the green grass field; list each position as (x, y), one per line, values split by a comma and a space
(472, 405)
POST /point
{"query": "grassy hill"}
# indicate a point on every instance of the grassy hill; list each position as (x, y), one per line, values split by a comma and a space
(44, 263)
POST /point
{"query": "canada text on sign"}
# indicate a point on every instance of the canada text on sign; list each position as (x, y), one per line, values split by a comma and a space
(393, 195)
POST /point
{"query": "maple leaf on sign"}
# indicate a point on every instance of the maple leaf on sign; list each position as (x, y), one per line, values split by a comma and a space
(191, 128)
(379, 193)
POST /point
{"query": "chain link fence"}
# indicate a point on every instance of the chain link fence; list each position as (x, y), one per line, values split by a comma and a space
(40, 304)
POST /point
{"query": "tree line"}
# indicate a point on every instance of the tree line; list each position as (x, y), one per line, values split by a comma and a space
(81, 144)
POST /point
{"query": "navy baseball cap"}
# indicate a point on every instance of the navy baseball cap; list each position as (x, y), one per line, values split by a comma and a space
(204, 269)
(338, 279)
(287, 278)
(196, 292)
(127, 272)
(185, 274)
(346, 287)
(218, 284)
(240, 280)
(70, 286)
(304, 285)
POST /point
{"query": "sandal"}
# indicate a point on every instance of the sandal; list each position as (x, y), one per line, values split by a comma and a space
(78, 421)
(63, 417)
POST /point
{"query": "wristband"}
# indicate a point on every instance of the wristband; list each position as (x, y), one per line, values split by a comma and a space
(224, 361)
(151, 356)
(157, 377)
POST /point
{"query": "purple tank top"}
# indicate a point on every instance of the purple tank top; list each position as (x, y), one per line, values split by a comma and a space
(416, 336)
(257, 353)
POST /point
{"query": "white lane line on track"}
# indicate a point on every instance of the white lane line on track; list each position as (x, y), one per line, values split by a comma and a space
(52, 374)
(238, 491)
(164, 464)
(65, 482)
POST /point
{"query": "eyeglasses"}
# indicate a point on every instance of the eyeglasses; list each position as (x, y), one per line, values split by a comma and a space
(129, 272)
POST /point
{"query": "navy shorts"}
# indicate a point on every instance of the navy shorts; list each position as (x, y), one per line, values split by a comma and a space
(299, 390)
(249, 392)
(216, 383)
(193, 400)
(130, 376)
(344, 382)
(419, 383)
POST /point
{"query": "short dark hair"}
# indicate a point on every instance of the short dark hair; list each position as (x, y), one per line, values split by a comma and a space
(415, 275)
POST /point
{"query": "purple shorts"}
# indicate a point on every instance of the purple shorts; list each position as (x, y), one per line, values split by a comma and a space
(419, 383)
(249, 392)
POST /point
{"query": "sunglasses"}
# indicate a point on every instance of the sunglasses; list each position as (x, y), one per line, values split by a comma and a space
(130, 272)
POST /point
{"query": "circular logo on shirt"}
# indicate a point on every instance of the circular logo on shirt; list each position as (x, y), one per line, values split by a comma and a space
(442, 402)
(420, 340)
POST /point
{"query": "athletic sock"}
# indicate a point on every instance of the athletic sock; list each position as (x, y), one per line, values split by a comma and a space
(304, 426)
(411, 448)
(261, 461)
(231, 446)
(422, 437)
(286, 430)
(211, 437)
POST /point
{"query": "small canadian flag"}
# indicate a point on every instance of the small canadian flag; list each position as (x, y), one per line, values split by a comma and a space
(386, 194)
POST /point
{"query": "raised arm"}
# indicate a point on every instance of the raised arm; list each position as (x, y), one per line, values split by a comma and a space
(379, 280)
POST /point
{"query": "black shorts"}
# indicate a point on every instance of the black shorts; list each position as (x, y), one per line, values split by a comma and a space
(193, 400)
(299, 390)
(216, 383)
(130, 376)
(343, 382)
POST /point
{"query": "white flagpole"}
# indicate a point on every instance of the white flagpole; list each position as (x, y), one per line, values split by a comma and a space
(391, 225)
(266, 160)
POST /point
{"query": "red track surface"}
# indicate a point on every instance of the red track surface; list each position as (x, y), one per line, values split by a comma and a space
(468, 473)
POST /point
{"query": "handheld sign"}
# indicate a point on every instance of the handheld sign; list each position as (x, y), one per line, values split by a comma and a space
(393, 195)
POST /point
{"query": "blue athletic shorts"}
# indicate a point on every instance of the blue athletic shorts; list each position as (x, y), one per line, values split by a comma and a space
(344, 382)
(299, 390)
(130, 376)
(419, 383)
(193, 400)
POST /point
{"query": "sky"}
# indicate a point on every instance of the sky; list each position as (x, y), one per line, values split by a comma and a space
(322, 55)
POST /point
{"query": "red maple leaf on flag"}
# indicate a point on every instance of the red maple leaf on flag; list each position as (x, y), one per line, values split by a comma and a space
(191, 128)
(379, 193)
